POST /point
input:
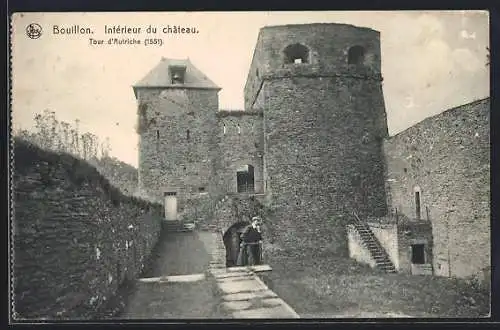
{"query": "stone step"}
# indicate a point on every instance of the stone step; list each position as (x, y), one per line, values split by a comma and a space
(249, 285)
(174, 278)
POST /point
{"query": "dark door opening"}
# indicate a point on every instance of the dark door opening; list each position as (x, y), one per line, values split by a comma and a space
(245, 179)
(417, 204)
(418, 254)
(232, 242)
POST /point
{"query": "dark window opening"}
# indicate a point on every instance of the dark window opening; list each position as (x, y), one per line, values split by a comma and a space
(201, 189)
(296, 53)
(356, 55)
(405, 170)
(418, 254)
(177, 74)
(224, 129)
(170, 193)
(157, 134)
(245, 179)
(187, 135)
(417, 204)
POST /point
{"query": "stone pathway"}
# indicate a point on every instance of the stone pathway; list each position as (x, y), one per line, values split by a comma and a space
(244, 293)
(210, 291)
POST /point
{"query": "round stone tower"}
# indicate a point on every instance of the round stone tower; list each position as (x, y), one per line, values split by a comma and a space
(324, 125)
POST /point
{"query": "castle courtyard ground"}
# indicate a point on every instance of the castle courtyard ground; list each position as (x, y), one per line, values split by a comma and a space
(298, 286)
(325, 287)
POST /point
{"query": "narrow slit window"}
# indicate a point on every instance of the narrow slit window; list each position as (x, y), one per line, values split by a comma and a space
(224, 129)
(188, 135)
(157, 134)
(417, 204)
(239, 129)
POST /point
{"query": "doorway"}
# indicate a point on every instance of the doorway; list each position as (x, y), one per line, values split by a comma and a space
(171, 205)
(418, 254)
(245, 179)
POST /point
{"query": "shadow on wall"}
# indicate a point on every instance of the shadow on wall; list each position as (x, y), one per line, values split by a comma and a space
(76, 238)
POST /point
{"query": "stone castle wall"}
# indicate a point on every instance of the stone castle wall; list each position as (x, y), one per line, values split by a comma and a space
(447, 157)
(239, 142)
(76, 238)
(177, 144)
(324, 123)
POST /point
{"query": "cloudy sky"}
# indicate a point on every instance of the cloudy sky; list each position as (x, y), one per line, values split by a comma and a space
(431, 61)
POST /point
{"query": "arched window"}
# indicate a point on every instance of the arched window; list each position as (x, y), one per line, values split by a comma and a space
(356, 55)
(296, 53)
(239, 129)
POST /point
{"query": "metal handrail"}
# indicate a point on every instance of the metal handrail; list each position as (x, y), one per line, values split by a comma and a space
(257, 243)
(261, 250)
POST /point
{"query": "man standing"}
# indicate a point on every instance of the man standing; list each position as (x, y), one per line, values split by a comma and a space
(251, 242)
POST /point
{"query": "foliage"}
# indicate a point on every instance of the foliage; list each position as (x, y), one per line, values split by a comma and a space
(61, 137)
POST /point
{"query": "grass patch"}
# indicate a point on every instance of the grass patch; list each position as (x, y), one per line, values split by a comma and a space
(325, 286)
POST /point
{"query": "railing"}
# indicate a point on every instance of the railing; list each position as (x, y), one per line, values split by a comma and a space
(260, 244)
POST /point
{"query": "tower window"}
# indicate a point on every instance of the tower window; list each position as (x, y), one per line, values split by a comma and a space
(224, 129)
(245, 179)
(177, 74)
(239, 129)
(157, 134)
(296, 53)
(417, 204)
(187, 135)
(356, 55)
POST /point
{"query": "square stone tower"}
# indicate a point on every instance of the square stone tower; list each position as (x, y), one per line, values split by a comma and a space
(177, 107)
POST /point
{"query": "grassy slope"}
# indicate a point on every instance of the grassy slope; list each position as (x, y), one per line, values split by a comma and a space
(321, 286)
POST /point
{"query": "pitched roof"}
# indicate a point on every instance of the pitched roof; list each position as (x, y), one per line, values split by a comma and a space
(159, 76)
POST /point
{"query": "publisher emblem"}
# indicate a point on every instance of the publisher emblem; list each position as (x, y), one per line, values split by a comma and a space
(34, 31)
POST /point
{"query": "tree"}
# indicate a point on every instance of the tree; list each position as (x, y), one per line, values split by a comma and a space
(61, 136)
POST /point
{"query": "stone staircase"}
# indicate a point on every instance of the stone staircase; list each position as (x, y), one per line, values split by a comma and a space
(377, 252)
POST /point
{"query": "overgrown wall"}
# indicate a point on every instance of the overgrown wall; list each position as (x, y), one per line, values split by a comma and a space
(76, 238)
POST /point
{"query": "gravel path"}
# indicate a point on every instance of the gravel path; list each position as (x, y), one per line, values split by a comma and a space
(177, 254)
(181, 254)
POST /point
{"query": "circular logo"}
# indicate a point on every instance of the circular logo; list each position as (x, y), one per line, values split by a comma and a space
(34, 31)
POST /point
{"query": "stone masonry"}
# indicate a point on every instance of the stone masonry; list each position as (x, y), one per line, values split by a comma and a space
(76, 239)
(314, 130)
(447, 159)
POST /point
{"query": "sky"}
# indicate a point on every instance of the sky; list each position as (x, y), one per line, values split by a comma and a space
(431, 61)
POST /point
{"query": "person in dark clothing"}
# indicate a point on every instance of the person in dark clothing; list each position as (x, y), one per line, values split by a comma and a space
(251, 243)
